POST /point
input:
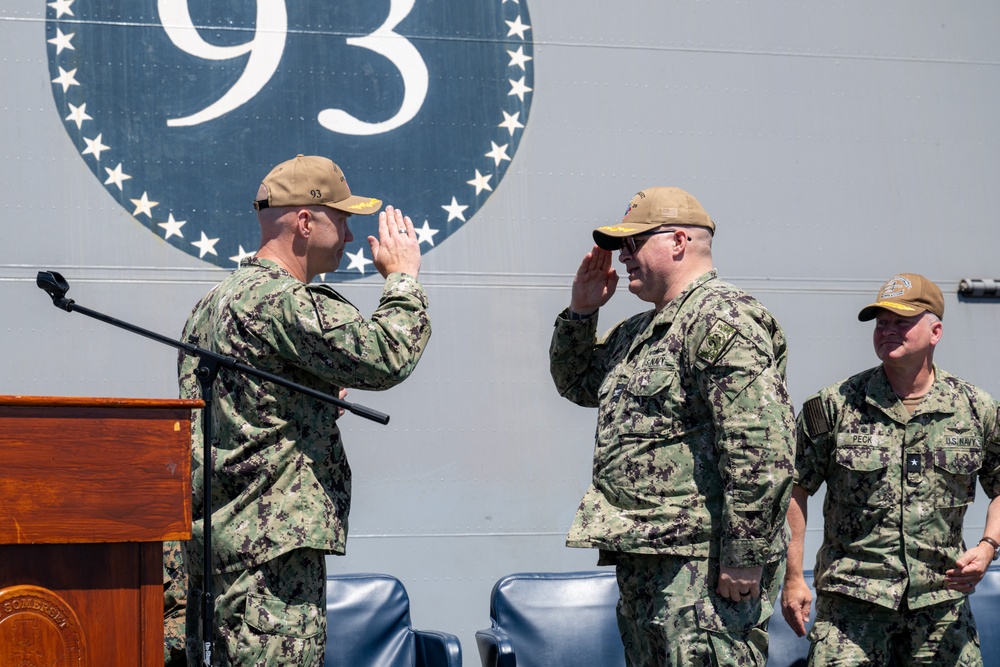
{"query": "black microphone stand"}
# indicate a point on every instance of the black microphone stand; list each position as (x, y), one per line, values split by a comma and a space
(209, 364)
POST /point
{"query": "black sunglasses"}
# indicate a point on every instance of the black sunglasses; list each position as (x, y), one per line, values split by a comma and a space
(631, 244)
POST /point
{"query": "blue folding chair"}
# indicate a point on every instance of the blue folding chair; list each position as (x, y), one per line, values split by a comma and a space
(553, 620)
(368, 625)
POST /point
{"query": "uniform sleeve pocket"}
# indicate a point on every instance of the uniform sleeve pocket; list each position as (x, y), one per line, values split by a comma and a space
(330, 307)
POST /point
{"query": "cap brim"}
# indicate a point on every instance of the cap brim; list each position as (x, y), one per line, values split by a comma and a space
(870, 312)
(356, 205)
(607, 242)
(610, 237)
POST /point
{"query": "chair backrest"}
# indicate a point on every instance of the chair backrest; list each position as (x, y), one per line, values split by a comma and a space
(556, 619)
(368, 622)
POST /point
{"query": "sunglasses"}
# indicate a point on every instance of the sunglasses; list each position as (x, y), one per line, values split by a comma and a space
(632, 243)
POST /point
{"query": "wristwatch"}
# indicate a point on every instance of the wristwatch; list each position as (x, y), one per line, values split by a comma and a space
(993, 543)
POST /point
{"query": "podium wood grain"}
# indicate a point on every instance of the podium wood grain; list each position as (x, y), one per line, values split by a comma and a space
(91, 487)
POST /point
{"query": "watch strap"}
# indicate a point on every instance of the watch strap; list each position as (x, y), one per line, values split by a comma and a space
(993, 543)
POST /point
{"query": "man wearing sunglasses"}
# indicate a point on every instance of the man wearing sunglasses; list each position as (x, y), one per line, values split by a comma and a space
(695, 434)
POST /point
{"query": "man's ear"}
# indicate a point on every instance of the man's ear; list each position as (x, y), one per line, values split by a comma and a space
(681, 240)
(303, 223)
(937, 328)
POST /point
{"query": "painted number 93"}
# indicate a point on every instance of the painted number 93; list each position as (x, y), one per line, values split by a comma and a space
(265, 51)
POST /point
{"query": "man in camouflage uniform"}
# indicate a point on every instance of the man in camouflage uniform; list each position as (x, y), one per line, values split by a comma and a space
(281, 480)
(900, 447)
(694, 452)
(174, 602)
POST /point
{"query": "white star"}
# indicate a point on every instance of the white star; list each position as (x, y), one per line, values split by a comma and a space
(243, 254)
(173, 228)
(116, 176)
(518, 58)
(95, 147)
(78, 114)
(66, 79)
(456, 210)
(498, 153)
(62, 7)
(425, 233)
(511, 122)
(518, 88)
(144, 205)
(205, 245)
(62, 41)
(481, 182)
(516, 27)
(358, 261)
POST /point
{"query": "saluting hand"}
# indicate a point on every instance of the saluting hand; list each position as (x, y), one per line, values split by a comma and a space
(396, 250)
(595, 282)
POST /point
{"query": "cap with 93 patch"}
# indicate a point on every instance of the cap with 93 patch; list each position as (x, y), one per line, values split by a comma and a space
(311, 180)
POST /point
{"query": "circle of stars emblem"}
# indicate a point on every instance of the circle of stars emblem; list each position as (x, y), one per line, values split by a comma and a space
(128, 85)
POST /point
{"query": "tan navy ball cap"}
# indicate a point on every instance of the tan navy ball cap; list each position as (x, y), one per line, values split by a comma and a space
(311, 180)
(906, 294)
(652, 208)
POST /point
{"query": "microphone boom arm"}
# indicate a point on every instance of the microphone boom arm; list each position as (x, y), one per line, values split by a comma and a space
(56, 287)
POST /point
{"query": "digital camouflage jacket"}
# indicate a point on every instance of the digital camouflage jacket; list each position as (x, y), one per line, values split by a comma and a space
(281, 477)
(897, 486)
(695, 434)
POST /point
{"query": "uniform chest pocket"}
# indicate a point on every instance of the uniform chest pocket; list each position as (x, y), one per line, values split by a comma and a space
(647, 398)
(653, 376)
(955, 471)
(860, 473)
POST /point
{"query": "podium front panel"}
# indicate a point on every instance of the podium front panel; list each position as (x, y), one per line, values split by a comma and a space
(97, 605)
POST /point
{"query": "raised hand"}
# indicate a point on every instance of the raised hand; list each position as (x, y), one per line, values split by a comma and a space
(595, 282)
(396, 249)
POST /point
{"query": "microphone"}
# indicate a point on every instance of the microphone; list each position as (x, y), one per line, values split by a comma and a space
(56, 287)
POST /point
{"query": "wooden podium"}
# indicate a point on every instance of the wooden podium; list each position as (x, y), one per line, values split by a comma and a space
(89, 490)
